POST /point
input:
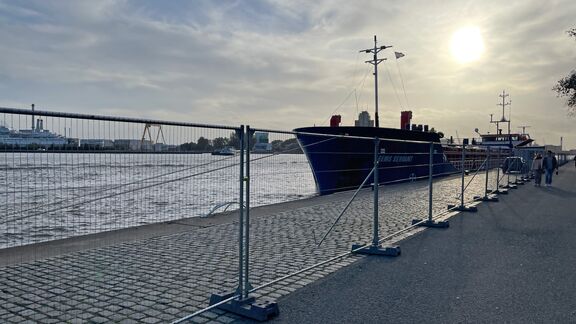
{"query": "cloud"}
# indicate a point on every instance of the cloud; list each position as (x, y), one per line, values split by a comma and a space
(282, 63)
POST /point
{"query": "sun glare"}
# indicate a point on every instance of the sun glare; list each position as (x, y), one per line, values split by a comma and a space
(467, 44)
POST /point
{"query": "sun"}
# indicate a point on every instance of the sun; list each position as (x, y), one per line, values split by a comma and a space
(467, 44)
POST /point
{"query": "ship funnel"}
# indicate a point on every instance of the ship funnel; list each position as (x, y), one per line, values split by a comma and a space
(405, 118)
(335, 120)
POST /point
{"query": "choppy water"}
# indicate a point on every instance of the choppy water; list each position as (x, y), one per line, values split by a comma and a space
(47, 196)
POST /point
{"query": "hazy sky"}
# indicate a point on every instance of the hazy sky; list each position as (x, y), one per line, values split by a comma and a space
(290, 63)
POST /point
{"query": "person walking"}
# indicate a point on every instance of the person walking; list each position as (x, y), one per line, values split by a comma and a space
(549, 164)
(537, 169)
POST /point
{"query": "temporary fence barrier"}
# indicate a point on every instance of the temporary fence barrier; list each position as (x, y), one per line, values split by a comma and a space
(74, 174)
(277, 245)
(286, 245)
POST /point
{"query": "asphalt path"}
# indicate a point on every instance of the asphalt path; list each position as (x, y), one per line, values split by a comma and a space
(513, 261)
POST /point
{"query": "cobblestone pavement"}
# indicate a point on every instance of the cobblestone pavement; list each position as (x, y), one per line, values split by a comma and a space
(161, 279)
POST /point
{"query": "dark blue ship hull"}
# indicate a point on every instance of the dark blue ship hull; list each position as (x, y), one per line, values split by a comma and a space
(342, 163)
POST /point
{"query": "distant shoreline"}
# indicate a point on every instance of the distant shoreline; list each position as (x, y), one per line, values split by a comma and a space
(122, 152)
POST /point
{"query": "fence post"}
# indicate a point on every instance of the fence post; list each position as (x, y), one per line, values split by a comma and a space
(375, 248)
(463, 207)
(240, 290)
(516, 173)
(499, 189)
(430, 222)
(487, 196)
(247, 285)
(245, 305)
(509, 184)
(376, 186)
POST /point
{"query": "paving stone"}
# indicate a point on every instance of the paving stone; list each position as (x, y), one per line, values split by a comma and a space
(225, 319)
(99, 319)
(175, 274)
(199, 320)
(152, 312)
(128, 321)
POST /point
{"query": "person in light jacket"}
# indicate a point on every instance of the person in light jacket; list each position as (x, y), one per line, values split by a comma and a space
(537, 169)
(549, 163)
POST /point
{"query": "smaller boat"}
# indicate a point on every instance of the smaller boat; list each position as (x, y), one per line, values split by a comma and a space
(225, 151)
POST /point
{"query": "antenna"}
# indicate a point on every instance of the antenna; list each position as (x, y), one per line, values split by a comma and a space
(524, 129)
(503, 120)
(503, 104)
(375, 61)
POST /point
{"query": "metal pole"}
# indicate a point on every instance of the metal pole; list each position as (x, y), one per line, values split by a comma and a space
(487, 166)
(462, 188)
(247, 285)
(376, 239)
(430, 186)
(508, 167)
(376, 118)
(498, 170)
(240, 289)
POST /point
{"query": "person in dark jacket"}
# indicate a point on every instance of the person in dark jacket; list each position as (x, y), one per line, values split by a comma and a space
(550, 164)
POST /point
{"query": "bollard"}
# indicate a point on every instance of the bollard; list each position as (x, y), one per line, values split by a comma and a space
(430, 222)
(462, 207)
(245, 305)
(375, 248)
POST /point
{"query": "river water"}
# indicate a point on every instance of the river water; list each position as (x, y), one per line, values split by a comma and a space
(47, 196)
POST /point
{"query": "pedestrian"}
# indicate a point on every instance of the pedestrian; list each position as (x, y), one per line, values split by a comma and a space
(575, 161)
(549, 163)
(537, 169)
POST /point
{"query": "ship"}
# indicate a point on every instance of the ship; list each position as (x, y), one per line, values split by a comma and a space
(36, 137)
(341, 158)
(226, 151)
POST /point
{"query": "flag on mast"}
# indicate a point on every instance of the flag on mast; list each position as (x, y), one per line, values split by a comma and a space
(398, 55)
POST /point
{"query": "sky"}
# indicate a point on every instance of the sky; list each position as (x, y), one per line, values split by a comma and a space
(292, 63)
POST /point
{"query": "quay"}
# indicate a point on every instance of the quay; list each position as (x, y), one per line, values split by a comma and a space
(511, 261)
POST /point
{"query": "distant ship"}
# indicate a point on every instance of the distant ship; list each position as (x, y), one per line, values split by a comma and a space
(225, 151)
(37, 136)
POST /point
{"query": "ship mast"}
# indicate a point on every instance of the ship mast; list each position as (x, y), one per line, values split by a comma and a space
(375, 61)
(503, 120)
